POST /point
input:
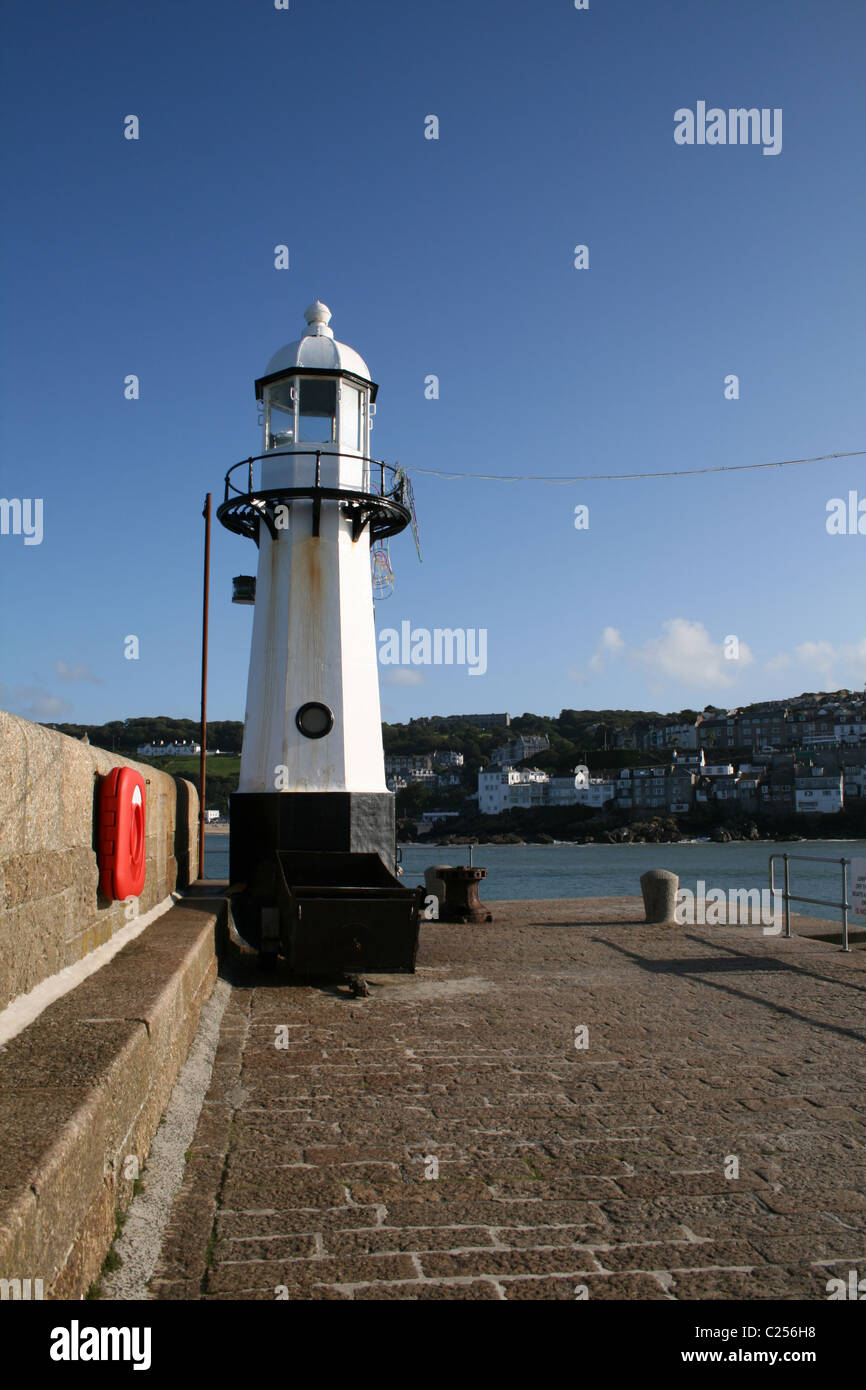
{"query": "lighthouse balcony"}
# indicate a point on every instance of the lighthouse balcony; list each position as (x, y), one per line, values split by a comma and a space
(369, 492)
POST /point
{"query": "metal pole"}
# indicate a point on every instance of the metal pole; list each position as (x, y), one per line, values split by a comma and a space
(787, 896)
(845, 946)
(204, 614)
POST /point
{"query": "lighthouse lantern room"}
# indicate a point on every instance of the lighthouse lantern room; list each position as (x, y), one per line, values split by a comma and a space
(312, 838)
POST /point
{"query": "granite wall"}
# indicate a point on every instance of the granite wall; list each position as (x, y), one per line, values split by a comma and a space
(51, 910)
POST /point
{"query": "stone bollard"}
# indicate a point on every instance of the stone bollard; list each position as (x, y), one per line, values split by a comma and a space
(433, 881)
(659, 888)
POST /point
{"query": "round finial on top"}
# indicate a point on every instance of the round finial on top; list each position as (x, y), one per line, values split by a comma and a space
(318, 317)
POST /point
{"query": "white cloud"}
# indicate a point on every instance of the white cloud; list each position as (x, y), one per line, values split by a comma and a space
(401, 675)
(65, 672)
(840, 666)
(610, 644)
(685, 652)
(31, 702)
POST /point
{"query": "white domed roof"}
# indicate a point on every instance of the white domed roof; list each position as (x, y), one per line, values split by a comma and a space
(318, 348)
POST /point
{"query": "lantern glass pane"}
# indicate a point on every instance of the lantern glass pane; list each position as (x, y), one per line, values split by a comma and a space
(317, 416)
(281, 415)
(350, 416)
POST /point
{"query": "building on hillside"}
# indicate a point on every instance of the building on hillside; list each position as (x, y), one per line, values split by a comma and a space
(527, 787)
(739, 729)
(680, 788)
(648, 788)
(399, 764)
(447, 757)
(692, 761)
(424, 775)
(168, 750)
(768, 783)
(682, 735)
(449, 779)
(590, 791)
(805, 722)
(816, 791)
(748, 783)
(853, 780)
(815, 733)
(770, 729)
(502, 787)
(777, 789)
(716, 783)
(522, 747)
(481, 721)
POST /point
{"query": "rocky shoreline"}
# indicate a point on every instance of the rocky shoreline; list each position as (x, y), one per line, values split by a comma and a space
(657, 831)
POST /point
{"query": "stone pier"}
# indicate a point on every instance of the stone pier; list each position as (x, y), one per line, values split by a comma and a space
(564, 1104)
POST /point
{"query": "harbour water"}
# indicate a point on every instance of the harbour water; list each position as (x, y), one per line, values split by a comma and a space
(599, 871)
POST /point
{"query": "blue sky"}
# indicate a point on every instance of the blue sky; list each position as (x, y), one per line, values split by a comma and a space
(455, 257)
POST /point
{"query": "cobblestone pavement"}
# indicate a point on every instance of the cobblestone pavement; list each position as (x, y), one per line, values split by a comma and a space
(563, 1171)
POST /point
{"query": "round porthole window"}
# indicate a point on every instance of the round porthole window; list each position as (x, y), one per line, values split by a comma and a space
(314, 719)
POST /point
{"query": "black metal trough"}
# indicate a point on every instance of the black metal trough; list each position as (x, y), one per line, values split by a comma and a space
(345, 913)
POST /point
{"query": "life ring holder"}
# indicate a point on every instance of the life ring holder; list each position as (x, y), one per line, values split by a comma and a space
(121, 852)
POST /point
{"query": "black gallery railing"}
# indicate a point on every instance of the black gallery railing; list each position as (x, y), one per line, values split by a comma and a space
(379, 501)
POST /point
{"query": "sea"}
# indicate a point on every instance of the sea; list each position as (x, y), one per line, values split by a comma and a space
(600, 871)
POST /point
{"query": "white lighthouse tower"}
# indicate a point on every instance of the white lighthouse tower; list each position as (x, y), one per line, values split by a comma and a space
(312, 777)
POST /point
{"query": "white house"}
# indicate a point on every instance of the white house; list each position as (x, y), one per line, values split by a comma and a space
(502, 787)
(581, 789)
(168, 750)
(818, 793)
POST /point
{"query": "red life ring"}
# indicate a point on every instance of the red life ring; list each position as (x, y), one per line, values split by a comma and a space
(121, 852)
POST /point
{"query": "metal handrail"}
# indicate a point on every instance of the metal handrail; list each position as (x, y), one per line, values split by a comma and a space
(788, 897)
(396, 492)
(385, 510)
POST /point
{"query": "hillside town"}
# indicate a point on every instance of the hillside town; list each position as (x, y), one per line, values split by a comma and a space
(802, 756)
(807, 756)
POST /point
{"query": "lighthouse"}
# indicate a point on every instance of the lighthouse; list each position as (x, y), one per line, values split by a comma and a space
(312, 838)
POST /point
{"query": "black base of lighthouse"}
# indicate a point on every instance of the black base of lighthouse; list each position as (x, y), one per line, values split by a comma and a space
(319, 881)
(351, 822)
